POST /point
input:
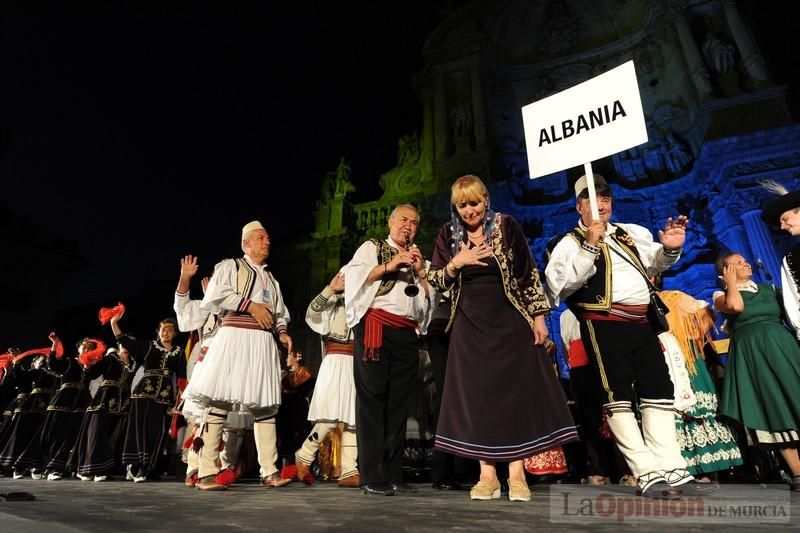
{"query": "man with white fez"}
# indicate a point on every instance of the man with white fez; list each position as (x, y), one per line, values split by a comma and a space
(386, 318)
(242, 366)
(600, 268)
(784, 211)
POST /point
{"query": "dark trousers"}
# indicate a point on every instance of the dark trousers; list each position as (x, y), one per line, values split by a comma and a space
(625, 354)
(383, 389)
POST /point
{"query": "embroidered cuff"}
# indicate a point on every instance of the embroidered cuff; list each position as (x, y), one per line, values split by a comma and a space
(280, 329)
(591, 249)
(244, 305)
(327, 292)
(672, 252)
(182, 294)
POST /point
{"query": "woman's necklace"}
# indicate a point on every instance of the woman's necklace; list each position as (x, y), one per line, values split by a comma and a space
(476, 239)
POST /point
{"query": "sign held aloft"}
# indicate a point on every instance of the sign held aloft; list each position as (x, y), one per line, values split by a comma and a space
(592, 120)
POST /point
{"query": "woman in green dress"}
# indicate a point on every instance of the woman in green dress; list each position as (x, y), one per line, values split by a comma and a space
(762, 379)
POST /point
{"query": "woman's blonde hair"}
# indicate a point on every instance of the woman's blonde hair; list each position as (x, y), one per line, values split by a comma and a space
(469, 188)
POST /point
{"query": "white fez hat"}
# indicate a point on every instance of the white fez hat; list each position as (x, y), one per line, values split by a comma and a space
(581, 184)
(251, 226)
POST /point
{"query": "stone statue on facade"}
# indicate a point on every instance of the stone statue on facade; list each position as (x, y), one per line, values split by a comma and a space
(720, 54)
(343, 183)
(408, 149)
(461, 119)
(675, 153)
(336, 184)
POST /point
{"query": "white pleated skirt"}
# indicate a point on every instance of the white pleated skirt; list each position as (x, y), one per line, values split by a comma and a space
(335, 391)
(241, 367)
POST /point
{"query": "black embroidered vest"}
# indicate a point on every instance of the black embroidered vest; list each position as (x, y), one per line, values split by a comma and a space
(596, 294)
(385, 254)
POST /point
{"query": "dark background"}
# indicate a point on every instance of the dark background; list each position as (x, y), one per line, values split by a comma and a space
(111, 121)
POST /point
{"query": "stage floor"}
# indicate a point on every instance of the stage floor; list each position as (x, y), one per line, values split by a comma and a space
(71, 505)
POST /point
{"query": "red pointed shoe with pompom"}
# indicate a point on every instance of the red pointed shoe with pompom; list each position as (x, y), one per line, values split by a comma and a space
(226, 477)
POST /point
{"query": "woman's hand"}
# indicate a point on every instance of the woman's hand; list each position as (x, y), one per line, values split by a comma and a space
(540, 332)
(729, 277)
(471, 256)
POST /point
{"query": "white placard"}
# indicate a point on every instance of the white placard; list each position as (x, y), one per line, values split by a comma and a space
(594, 119)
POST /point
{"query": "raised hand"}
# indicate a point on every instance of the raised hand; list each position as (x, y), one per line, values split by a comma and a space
(188, 266)
(337, 283)
(729, 277)
(674, 233)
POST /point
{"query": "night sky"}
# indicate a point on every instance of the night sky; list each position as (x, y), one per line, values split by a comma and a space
(110, 122)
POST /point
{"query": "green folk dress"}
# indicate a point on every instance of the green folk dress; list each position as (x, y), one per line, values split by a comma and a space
(762, 379)
(707, 444)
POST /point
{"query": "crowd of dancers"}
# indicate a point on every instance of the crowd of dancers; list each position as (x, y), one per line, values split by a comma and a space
(640, 399)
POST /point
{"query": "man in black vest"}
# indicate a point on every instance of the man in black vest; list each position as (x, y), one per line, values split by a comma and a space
(784, 211)
(386, 313)
(601, 269)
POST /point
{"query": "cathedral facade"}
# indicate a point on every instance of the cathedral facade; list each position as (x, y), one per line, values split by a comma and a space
(717, 125)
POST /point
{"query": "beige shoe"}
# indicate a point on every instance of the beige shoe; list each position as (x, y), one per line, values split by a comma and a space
(628, 480)
(485, 491)
(518, 491)
(274, 481)
(208, 483)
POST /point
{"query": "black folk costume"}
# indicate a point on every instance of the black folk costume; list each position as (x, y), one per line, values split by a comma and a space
(148, 422)
(606, 288)
(12, 392)
(29, 414)
(502, 400)
(385, 358)
(51, 447)
(102, 429)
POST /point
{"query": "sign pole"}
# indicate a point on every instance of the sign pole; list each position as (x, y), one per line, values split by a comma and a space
(587, 169)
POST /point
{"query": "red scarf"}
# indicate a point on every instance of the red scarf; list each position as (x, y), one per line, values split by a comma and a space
(374, 320)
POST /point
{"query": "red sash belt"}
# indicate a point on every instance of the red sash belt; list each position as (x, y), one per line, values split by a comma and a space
(619, 313)
(240, 321)
(374, 320)
(577, 354)
(339, 348)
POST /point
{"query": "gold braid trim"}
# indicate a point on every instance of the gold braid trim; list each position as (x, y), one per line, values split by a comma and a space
(385, 254)
(530, 301)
